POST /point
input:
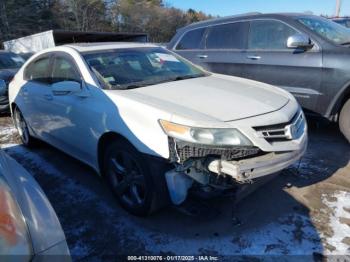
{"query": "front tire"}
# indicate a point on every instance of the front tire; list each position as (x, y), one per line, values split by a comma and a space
(344, 120)
(129, 176)
(22, 128)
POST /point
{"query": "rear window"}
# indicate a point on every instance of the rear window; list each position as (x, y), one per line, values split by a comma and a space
(227, 36)
(191, 40)
(38, 70)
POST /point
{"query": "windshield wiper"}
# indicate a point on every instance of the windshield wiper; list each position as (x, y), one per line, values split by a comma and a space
(147, 83)
(187, 77)
(131, 86)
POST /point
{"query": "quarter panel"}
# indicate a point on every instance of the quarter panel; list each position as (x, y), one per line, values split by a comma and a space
(335, 79)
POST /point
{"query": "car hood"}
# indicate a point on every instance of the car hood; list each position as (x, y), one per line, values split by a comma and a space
(223, 98)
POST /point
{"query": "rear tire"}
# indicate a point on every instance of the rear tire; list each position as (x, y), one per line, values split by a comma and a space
(129, 175)
(22, 128)
(344, 120)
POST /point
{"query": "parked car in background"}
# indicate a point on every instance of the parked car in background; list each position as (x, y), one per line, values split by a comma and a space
(9, 65)
(26, 56)
(153, 123)
(344, 21)
(304, 54)
(29, 227)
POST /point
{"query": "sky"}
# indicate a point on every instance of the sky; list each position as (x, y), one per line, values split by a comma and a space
(232, 7)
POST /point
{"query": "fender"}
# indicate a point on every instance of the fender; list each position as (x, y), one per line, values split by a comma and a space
(335, 104)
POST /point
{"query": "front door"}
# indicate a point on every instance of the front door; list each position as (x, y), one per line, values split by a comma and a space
(269, 60)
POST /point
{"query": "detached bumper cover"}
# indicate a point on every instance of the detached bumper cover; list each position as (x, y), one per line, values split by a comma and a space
(249, 169)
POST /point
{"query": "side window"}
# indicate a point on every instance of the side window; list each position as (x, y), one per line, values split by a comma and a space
(191, 40)
(227, 36)
(38, 70)
(64, 70)
(269, 34)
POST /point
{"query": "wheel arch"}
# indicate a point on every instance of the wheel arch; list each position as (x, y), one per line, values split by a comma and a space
(13, 107)
(103, 142)
(338, 102)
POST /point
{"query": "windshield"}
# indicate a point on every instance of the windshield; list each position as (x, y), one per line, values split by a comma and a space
(10, 61)
(334, 32)
(136, 67)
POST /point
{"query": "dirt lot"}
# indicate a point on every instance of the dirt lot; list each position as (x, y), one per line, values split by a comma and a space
(305, 211)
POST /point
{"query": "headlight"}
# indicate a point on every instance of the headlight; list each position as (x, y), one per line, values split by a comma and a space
(206, 136)
(14, 238)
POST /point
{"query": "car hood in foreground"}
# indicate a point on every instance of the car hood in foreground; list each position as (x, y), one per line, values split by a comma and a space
(43, 225)
(223, 98)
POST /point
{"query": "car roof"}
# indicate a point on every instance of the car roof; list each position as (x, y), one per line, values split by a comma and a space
(244, 16)
(341, 18)
(89, 47)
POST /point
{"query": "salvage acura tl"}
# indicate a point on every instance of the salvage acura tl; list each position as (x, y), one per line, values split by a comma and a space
(152, 123)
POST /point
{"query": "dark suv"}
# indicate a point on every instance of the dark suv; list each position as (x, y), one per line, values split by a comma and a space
(304, 54)
(9, 65)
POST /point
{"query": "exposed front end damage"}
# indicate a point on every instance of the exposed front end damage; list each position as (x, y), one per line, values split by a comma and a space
(216, 169)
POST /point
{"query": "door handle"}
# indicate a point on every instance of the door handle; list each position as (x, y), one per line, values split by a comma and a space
(254, 57)
(48, 97)
(202, 56)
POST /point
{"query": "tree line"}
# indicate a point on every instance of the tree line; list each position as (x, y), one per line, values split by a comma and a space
(25, 17)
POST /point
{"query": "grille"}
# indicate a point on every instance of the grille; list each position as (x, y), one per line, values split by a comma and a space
(181, 151)
(285, 131)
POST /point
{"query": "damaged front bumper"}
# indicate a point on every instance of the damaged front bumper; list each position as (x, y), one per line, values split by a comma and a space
(223, 169)
(249, 169)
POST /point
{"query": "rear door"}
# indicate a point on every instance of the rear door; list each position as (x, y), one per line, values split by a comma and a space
(269, 60)
(34, 93)
(224, 48)
(73, 115)
(62, 126)
(190, 45)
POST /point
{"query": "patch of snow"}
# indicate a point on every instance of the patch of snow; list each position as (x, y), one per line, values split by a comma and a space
(271, 239)
(293, 234)
(7, 133)
(339, 209)
(8, 145)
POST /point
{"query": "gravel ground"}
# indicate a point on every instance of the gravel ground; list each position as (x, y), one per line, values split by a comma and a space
(303, 213)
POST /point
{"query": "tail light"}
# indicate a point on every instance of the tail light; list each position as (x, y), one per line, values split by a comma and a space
(14, 238)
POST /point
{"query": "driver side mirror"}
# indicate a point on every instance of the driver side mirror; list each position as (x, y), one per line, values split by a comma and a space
(299, 41)
(3, 87)
(65, 87)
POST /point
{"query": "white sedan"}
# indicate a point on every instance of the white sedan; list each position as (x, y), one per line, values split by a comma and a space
(152, 123)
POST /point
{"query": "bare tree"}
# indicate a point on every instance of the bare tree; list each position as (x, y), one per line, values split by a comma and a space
(159, 20)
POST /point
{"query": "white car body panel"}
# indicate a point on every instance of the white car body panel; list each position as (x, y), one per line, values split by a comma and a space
(75, 124)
